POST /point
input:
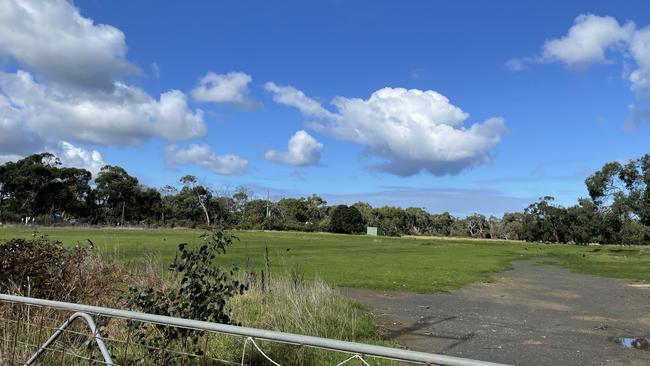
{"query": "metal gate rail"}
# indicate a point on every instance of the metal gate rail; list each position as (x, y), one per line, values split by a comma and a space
(93, 328)
(254, 333)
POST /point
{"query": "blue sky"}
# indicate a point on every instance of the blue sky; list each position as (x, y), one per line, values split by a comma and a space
(563, 108)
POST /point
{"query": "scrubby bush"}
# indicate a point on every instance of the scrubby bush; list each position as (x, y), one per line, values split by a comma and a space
(44, 268)
(201, 291)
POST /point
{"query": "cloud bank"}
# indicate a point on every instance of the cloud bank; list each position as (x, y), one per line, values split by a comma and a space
(69, 89)
(53, 38)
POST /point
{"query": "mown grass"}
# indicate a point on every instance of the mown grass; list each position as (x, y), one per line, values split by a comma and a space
(414, 264)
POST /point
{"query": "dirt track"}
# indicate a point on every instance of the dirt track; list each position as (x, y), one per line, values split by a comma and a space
(532, 315)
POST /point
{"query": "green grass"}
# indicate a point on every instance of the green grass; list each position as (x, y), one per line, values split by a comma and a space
(422, 265)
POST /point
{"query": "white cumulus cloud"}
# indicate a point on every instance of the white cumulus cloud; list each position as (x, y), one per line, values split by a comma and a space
(640, 50)
(407, 130)
(79, 157)
(126, 115)
(202, 155)
(68, 90)
(302, 150)
(53, 38)
(231, 88)
(288, 95)
(587, 41)
(15, 137)
(69, 155)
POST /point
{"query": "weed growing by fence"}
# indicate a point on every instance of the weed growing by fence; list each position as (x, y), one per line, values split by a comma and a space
(201, 291)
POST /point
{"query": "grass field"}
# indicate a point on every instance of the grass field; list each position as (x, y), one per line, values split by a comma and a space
(416, 264)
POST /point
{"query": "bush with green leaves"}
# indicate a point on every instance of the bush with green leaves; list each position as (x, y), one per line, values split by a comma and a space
(201, 291)
(346, 220)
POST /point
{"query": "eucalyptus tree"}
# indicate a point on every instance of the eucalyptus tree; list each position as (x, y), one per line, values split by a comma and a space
(626, 185)
(116, 193)
(201, 194)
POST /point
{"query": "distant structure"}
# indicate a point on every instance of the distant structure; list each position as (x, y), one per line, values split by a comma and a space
(375, 231)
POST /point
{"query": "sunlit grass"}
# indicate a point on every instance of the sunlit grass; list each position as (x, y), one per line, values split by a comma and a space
(423, 265)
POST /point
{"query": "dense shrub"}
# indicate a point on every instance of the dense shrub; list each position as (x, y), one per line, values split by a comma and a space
(36, 266)
(346, 220)
(44, 268)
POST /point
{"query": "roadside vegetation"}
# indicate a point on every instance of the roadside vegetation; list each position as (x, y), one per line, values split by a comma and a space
(197, 289)
(38, 190)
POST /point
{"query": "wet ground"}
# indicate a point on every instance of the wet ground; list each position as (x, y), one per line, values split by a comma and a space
(535, 314)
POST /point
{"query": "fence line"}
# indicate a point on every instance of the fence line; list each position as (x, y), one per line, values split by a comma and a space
(249, 334)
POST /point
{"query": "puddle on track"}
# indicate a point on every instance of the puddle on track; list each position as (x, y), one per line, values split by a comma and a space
(637, 343)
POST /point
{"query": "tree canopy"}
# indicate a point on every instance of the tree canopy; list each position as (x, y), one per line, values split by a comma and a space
(40, 189)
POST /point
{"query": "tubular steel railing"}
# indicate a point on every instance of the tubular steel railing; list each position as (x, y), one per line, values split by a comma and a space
(42, 330)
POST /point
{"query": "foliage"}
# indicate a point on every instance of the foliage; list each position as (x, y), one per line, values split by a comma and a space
(36, 266)
(38, 189)
(202, 291)
(116, 193)
(44, 268)
(38, 185)
(346, 220)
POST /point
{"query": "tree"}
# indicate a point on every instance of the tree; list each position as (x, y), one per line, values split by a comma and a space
(294, 211)
(584, 222)
(68, 194)
(546, 222)
(346, 220)
(38, 185)
(200, 193)
(254, 214)
(367, 212)
(392, 220)
(26, 182)
(316, 208)
(418, 221)
(442, 224)
(148, 204)
(627, 185)
(510, 226)
(239, 199)
(116, 191)
(168, 203)
(477, 225)
(621, 195)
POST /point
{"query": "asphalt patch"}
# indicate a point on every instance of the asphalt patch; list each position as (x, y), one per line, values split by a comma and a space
(532, 315)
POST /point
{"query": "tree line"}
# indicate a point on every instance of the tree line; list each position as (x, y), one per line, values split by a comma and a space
(38, 189)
